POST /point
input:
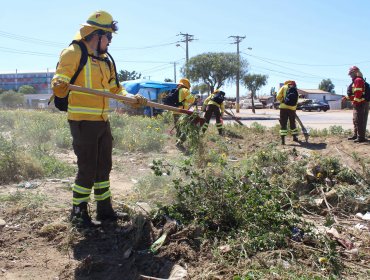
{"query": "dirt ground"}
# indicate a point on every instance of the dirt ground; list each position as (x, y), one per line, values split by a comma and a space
(39, 243)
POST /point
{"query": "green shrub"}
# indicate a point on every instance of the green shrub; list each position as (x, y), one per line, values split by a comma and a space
(52, 167)
(136, 133)
(232, 202)
(257, 127)
(16, 164)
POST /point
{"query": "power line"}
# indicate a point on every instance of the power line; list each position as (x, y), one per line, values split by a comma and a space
(312, 65)
(281, 65)
(144, 48)
(26, 52)
(29, 39)
(296, 71)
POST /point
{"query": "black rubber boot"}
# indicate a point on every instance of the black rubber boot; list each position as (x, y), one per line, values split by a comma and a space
(105, 212)
(360, 140)
(295, 138)
(282, 140)
(354, 137)
(80, 216)
(180, 146)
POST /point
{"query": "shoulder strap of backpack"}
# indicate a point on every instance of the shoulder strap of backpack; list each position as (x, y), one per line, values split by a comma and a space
(114, 66)
(83, 59)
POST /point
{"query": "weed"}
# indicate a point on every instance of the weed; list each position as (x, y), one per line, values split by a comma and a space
(16, 164)
(230, 202)
(154, 189)
(24, 199)
(137, 133)
(257, 127)
(52, 166)
(336, 130)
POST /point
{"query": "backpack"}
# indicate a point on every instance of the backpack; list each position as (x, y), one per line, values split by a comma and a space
(367, 91)
(172, 98)
(291, 96)
(62, 102)
(218, 97)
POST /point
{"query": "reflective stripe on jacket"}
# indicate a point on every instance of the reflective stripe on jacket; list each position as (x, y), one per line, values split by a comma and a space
(358, 91)
(281, 96)
(96, 74)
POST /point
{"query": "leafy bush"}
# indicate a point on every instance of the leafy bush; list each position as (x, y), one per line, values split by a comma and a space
(27, 89)
(257, 127)
(230, 202)
(52, 167)
(11, 99)
(16, 164)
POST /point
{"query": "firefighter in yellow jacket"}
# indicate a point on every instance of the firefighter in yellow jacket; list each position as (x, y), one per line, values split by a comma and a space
(214, 104)
(186, 99)
(88, 115)
(288, 111)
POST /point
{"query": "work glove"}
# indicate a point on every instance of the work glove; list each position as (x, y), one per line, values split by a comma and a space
(345, 99)
(141, 101)
(60, 88)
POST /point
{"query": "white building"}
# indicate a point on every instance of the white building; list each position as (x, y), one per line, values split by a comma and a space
(334, 100)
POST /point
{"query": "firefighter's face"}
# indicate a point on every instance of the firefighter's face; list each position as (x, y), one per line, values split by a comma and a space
(105, 41)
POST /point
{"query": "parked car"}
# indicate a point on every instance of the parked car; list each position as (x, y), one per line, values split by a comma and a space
(315, 106)
(247, 104)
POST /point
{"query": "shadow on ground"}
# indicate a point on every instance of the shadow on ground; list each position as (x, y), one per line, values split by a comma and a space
(119, 251)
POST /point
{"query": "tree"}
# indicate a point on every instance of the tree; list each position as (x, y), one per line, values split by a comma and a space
(214, 69)
(327, 85)
(26, 89)
(254, 82)
(124, 75)
(11, 99)
(168, 80)
(201, 88)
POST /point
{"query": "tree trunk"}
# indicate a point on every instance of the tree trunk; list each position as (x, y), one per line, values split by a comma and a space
(253, 109)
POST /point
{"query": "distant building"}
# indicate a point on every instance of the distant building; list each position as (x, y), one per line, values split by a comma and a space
(334, 100)
(39, 80)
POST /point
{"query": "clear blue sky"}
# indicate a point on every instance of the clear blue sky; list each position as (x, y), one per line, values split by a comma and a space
(306, 40)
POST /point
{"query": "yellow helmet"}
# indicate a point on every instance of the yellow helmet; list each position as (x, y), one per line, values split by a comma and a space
(99, 20)
(185, 83)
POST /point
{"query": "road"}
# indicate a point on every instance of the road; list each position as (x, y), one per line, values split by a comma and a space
(317, 120)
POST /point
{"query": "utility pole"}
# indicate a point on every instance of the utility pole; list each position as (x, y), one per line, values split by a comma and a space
(186, 39)
(237, 40)
(174, 71)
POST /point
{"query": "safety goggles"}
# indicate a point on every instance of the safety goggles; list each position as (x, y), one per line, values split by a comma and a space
(114, 26)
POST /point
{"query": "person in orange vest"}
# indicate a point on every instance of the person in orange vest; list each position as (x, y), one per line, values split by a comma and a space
(214, 104)
(288, 107)
(355, 93)
(88, 116)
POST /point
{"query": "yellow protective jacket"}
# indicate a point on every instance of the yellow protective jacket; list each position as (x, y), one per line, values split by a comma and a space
(281, 96)
(209, 101)
(186, 98)
(96, 74)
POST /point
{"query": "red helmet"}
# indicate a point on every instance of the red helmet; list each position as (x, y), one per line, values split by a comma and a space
(353, 69)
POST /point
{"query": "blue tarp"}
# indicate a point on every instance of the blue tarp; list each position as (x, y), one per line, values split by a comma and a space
(134, 86)
(150, 90)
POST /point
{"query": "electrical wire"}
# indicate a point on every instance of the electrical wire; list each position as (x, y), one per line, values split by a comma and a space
(26, 52)
(29, 39)
(310, 65)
